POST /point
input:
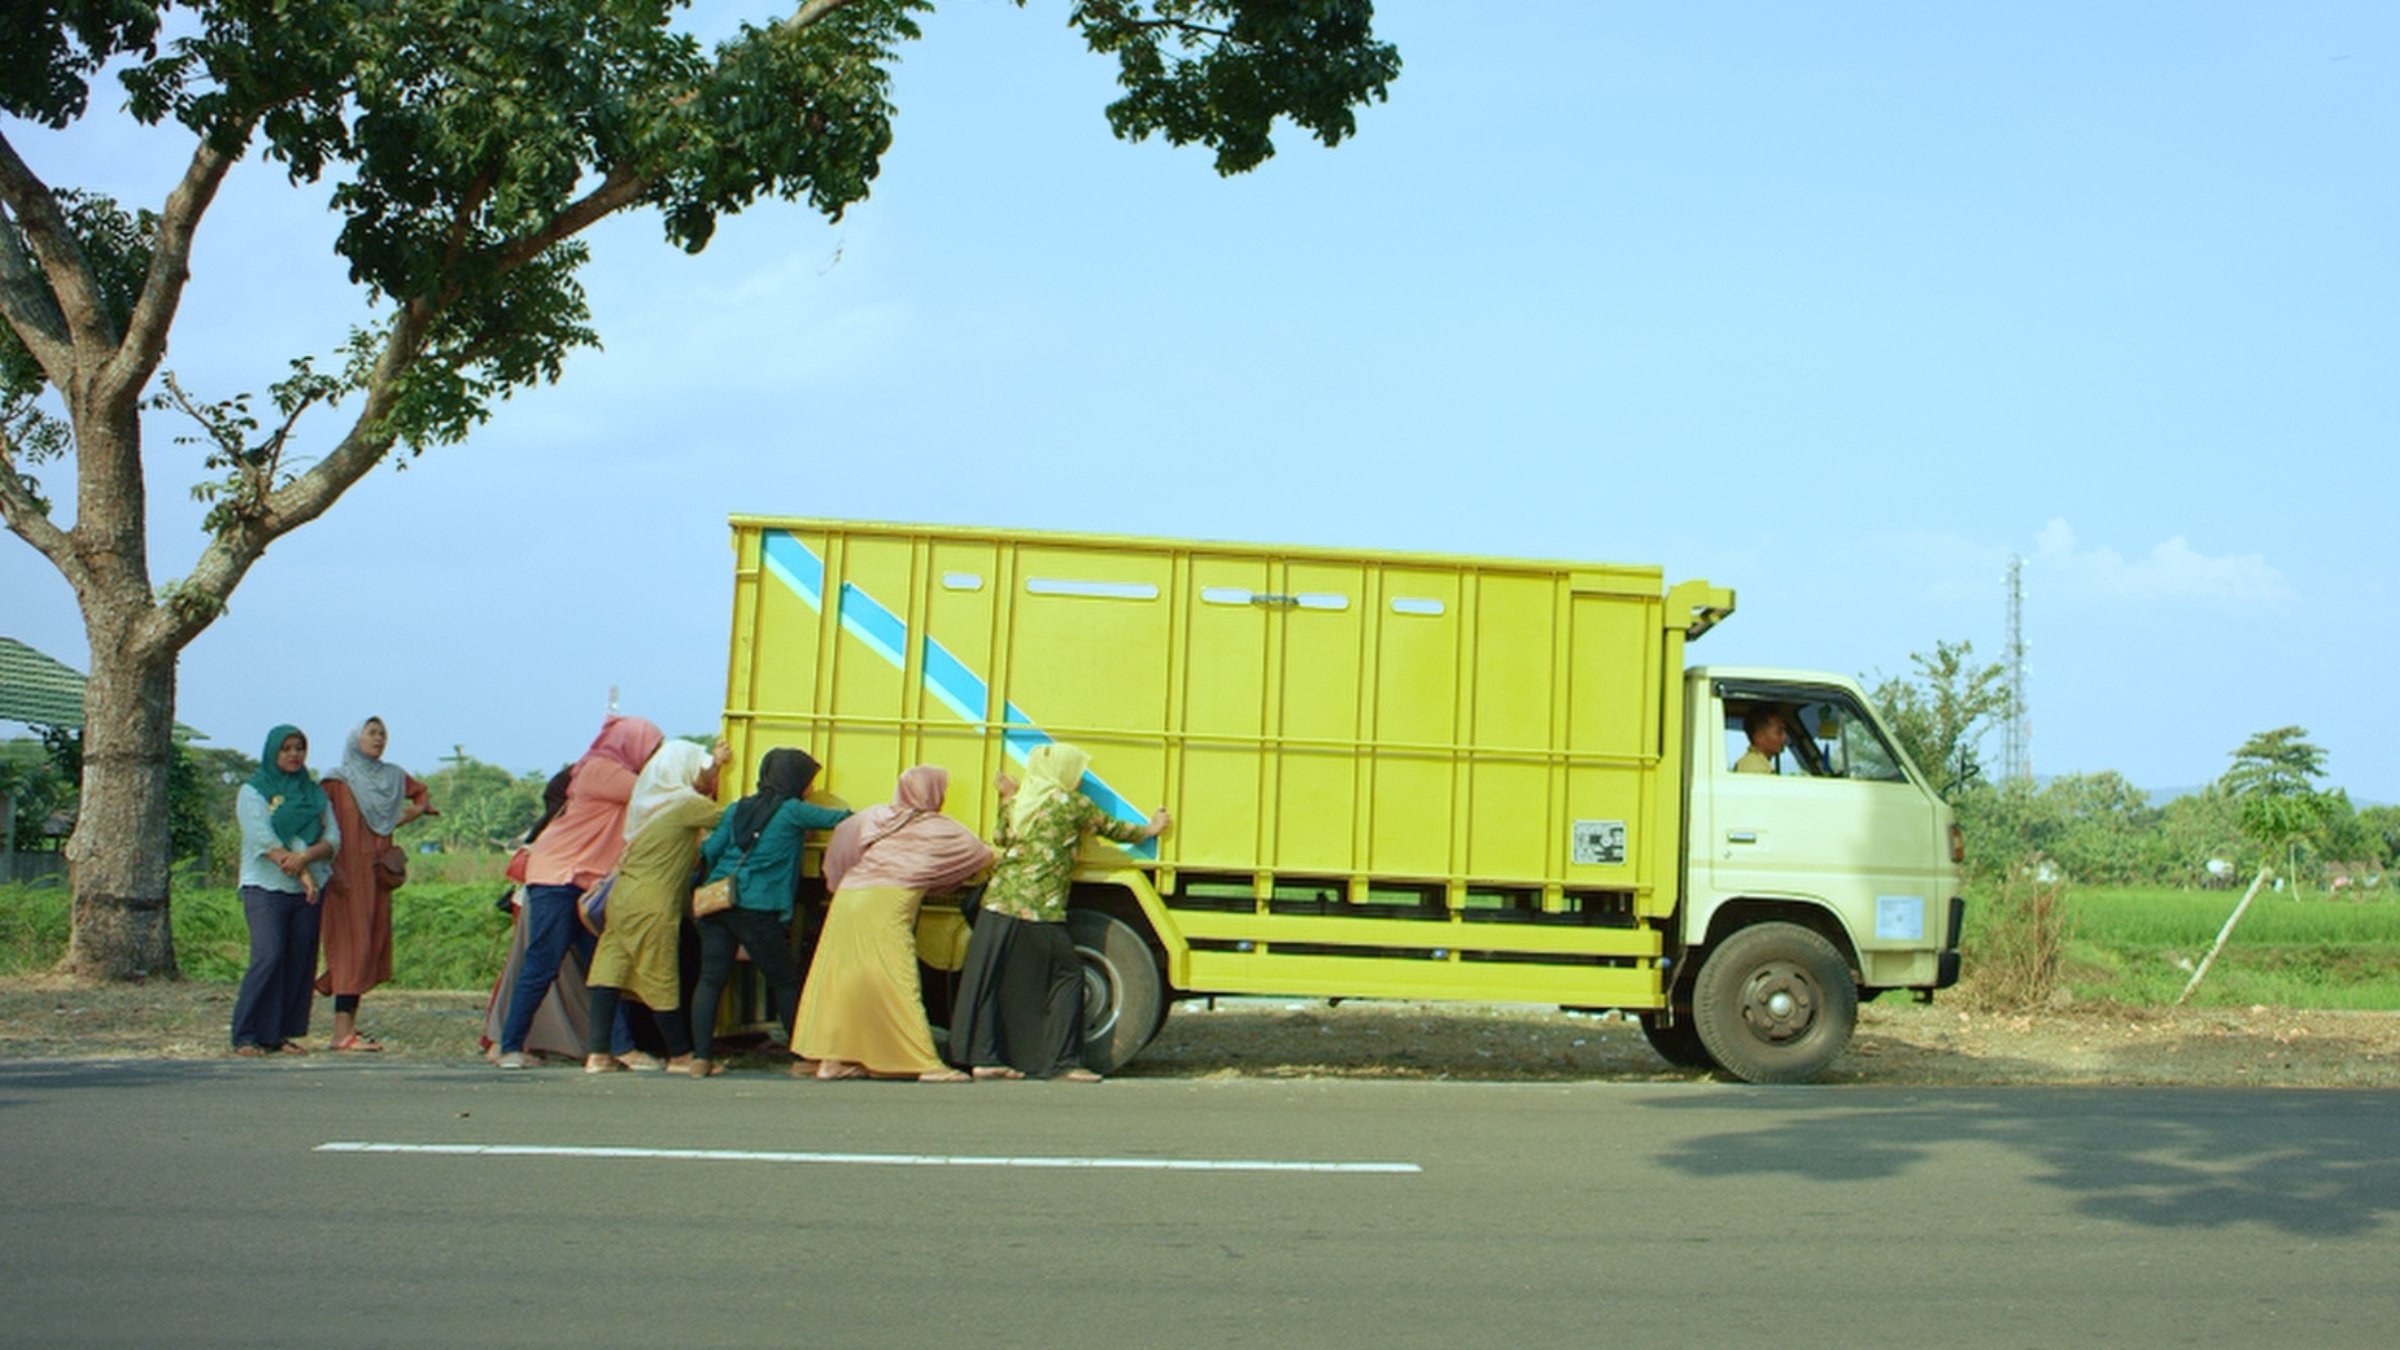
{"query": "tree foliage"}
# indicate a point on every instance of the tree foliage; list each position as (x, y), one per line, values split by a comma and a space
(482, 806)
(1940, 715)
(2273, 784)
(466, 146)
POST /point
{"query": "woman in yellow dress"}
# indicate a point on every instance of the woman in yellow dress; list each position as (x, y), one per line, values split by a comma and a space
(862, 1013)
(639, 952)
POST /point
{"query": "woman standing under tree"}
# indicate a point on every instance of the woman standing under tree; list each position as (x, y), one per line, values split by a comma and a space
(288, 833)
(370, 800)
(1020, 998)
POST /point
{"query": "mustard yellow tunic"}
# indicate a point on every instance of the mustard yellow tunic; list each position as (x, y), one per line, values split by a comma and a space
(638, 951)
(862, 1002)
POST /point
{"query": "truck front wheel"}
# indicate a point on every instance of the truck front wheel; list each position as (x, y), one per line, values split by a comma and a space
(1775, 1003)
(1124, 994)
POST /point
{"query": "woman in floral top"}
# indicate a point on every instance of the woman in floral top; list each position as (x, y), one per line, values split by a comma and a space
(1020, 1000)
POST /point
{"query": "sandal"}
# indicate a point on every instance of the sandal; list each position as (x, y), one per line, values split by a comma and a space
(831, 1069)
(250, 1051)
(983, 1071)
(705, 1068)
(944, 1076)
(1079, 1076)
(602, 1064)
(357, 1044)
(291, 1048)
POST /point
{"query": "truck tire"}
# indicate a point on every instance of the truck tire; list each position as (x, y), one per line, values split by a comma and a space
(1124, 992)
(1775, 1003)
(1678, 1042)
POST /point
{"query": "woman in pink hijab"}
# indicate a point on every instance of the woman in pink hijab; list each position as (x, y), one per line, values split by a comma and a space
(862, 1012)
(577, 848)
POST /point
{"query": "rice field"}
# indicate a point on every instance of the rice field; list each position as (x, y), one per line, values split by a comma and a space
(2140, 945)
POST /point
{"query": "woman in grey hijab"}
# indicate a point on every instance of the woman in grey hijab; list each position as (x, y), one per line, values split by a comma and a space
(371, 800)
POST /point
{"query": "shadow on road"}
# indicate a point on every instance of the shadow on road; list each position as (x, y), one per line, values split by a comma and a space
(2316, 1164)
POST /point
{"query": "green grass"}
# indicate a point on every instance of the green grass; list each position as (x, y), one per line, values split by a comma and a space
(444, 935)
(2139, 945)
(2130, 945)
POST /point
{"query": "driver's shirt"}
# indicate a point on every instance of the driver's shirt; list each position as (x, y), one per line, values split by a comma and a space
(1753, 762)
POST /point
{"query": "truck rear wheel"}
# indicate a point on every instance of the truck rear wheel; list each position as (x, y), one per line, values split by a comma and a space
(1123, 990)
(1775, 1003)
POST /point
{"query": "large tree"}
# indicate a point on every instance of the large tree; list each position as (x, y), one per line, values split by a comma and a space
(469, 144)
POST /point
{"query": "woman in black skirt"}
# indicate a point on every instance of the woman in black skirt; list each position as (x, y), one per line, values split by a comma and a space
(1019, 1012)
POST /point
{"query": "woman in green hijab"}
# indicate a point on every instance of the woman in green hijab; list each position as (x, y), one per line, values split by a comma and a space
(288, 836)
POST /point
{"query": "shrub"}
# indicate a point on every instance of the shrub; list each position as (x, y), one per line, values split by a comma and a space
(2013, 960)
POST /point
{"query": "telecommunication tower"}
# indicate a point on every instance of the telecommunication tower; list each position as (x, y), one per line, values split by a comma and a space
(2017, 732)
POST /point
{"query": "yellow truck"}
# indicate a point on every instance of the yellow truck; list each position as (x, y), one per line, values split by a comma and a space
(1392, 775)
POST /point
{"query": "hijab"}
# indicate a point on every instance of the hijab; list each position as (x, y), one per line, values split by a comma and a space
(554, 800)
(295, 799)
(1054, 769)
(377, 787)
(784, 775)
(625, 741)
(672, 775)
(906, 842)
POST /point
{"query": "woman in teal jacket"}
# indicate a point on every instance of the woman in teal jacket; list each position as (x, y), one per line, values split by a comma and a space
(758, 845)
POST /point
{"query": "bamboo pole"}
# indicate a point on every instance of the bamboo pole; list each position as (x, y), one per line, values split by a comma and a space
(2223, 934)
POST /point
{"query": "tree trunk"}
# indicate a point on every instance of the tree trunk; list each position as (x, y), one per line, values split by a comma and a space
(117, 858)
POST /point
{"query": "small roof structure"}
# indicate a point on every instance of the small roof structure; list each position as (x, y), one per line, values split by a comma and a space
(45, 692)
(37, 689)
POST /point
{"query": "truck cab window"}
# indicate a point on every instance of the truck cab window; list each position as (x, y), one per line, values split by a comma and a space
(1812, 737)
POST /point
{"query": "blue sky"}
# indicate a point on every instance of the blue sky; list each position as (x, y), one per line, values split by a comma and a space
(1838, 305)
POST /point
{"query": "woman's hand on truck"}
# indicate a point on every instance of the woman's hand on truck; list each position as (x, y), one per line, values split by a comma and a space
(1159, 821)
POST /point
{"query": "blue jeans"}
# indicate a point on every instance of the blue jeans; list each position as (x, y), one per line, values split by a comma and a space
(551, 927)
(280, 985)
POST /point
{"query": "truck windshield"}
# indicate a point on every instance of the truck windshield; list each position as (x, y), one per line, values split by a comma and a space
(1825, 734)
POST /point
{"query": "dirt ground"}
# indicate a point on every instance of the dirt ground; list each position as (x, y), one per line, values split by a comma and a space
(47, 1017)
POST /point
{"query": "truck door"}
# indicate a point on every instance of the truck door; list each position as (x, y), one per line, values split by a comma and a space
(1819, 809)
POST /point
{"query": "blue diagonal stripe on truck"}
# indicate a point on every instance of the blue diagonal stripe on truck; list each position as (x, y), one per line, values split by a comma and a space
(947, 678)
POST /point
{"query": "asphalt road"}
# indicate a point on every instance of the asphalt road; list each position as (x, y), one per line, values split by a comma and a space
(198, 1203)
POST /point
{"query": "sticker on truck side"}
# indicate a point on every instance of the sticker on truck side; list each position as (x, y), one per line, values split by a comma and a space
(1599, 841)
(1900, 918)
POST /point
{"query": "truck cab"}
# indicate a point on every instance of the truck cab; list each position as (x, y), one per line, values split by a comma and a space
(1807, 822)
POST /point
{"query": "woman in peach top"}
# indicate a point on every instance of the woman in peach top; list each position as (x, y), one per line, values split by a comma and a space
(578, 847)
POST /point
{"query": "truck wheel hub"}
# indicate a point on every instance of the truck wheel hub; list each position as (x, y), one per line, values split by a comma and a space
(1778, 1002)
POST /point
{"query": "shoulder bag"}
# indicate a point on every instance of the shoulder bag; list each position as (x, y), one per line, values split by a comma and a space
(712, 898)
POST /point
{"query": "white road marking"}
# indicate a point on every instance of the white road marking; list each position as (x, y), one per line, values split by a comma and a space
(873, 1159)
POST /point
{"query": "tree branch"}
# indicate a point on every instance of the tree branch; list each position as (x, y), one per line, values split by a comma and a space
(29, 522)
(622, 188)
(28, 307)
(145, 339)
(61, 308)
(811, 14)
(230, 555)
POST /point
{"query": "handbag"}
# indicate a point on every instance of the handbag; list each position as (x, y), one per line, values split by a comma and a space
(713, 897)
(592, 905)
(391, 867)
